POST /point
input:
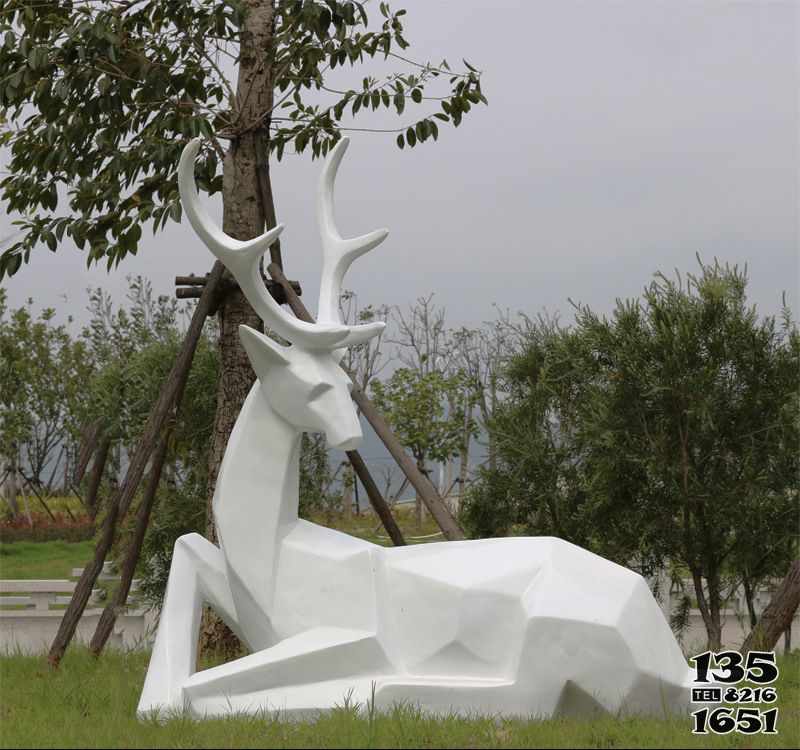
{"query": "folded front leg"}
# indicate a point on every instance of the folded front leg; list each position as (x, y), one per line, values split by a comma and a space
(316, 669)
(197, 574)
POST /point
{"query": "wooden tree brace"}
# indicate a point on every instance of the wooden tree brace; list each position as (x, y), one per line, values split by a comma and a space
(191, 287)
(378, 503)
(167, 402)
(105, 625)
(91, 435)
(96, 477)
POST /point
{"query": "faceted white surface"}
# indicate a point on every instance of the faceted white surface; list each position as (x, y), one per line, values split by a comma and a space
(526, 626)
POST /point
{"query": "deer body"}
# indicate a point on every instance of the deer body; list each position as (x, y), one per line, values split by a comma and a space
(519, 625)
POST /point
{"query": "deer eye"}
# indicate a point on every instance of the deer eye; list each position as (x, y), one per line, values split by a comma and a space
(318, 390)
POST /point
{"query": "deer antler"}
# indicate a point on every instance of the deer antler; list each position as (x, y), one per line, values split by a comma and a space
(339, 253)
(243, 259)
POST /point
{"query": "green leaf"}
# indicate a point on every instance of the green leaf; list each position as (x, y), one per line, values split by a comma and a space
(50, 239)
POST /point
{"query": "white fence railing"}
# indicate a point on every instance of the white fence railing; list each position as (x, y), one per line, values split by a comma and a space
(28, 621)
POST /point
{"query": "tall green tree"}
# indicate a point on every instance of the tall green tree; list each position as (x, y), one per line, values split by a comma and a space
(668, 432)
(42, 402)
(132, 345)
(100, 98)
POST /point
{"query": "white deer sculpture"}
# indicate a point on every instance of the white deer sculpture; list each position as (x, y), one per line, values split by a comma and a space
(526, 626)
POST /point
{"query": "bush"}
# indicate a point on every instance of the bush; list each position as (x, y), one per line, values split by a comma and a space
(46, 529)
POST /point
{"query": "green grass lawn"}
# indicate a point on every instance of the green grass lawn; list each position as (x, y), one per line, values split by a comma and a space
(55, 559)
(368, 526)
(49, 560)
(92, 704)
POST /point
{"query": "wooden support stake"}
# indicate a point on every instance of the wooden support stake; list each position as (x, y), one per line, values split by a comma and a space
(90, 437)
(96, 477)
(109, 617)
(191, 280)
(420, 482)
(124, 494)
(265, 193)
(39, 497)
(195, 290)
(375, 497)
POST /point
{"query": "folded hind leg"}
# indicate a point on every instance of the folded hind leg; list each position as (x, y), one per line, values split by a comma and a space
(197, 574)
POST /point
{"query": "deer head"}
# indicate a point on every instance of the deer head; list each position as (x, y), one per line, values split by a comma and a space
(307, 388)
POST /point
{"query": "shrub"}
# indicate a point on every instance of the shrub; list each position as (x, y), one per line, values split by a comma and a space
(46, 529)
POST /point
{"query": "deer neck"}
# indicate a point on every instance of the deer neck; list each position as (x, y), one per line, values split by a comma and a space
(255, 501)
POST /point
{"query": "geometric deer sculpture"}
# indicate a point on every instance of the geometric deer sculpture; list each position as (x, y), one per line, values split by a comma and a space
(524, 626)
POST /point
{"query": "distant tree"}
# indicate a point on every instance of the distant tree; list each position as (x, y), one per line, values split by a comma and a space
(669, 432)
(426, 413)
(435, 381)
(480, 353)
(535, 481)
(132, 344)
(42, 399)
(367, 360)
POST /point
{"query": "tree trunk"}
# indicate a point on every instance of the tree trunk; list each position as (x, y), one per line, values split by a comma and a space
(243, 219)
(486, 412)
(749, 596)
(26, 506)
(463, 465)
(13, 480)
(707, 612)
(419, 507)
(714, 626)
(347, 493)
(96, 477)
(777, 615)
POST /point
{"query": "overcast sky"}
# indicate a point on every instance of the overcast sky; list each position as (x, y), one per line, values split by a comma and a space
(620, 139)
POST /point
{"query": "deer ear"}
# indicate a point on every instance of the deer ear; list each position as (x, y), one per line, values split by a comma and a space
(262, 350)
